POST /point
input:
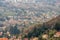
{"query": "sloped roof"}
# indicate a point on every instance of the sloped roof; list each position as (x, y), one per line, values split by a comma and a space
(3, 38)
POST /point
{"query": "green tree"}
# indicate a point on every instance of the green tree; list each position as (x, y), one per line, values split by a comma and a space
(57, 26)
(38, 30)
(14, 30)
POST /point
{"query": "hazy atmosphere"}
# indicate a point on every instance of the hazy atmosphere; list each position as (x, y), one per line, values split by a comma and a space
(30, 19)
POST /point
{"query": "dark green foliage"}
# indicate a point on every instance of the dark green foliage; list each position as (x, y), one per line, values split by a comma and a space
(33, 33)
(14, 30)
(38, 30)
(57, 26)
(11, 29)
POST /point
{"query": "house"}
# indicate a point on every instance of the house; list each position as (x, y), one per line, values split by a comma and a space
(35, 38)
(57, 34)
(3, 38)
(12, 21)
(45, 36)
(25, 38)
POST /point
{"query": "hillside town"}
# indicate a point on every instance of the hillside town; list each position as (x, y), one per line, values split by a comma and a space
(29, 19)
(13, 30)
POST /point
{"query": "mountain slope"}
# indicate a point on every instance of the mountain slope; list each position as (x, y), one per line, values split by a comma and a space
(53, 21)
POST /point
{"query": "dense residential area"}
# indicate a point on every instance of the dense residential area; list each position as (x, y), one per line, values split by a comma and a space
(49, 30)
(29, 19)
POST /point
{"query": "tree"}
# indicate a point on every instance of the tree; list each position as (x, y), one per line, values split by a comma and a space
(14, 30)
(38, 30)
(57, 26)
